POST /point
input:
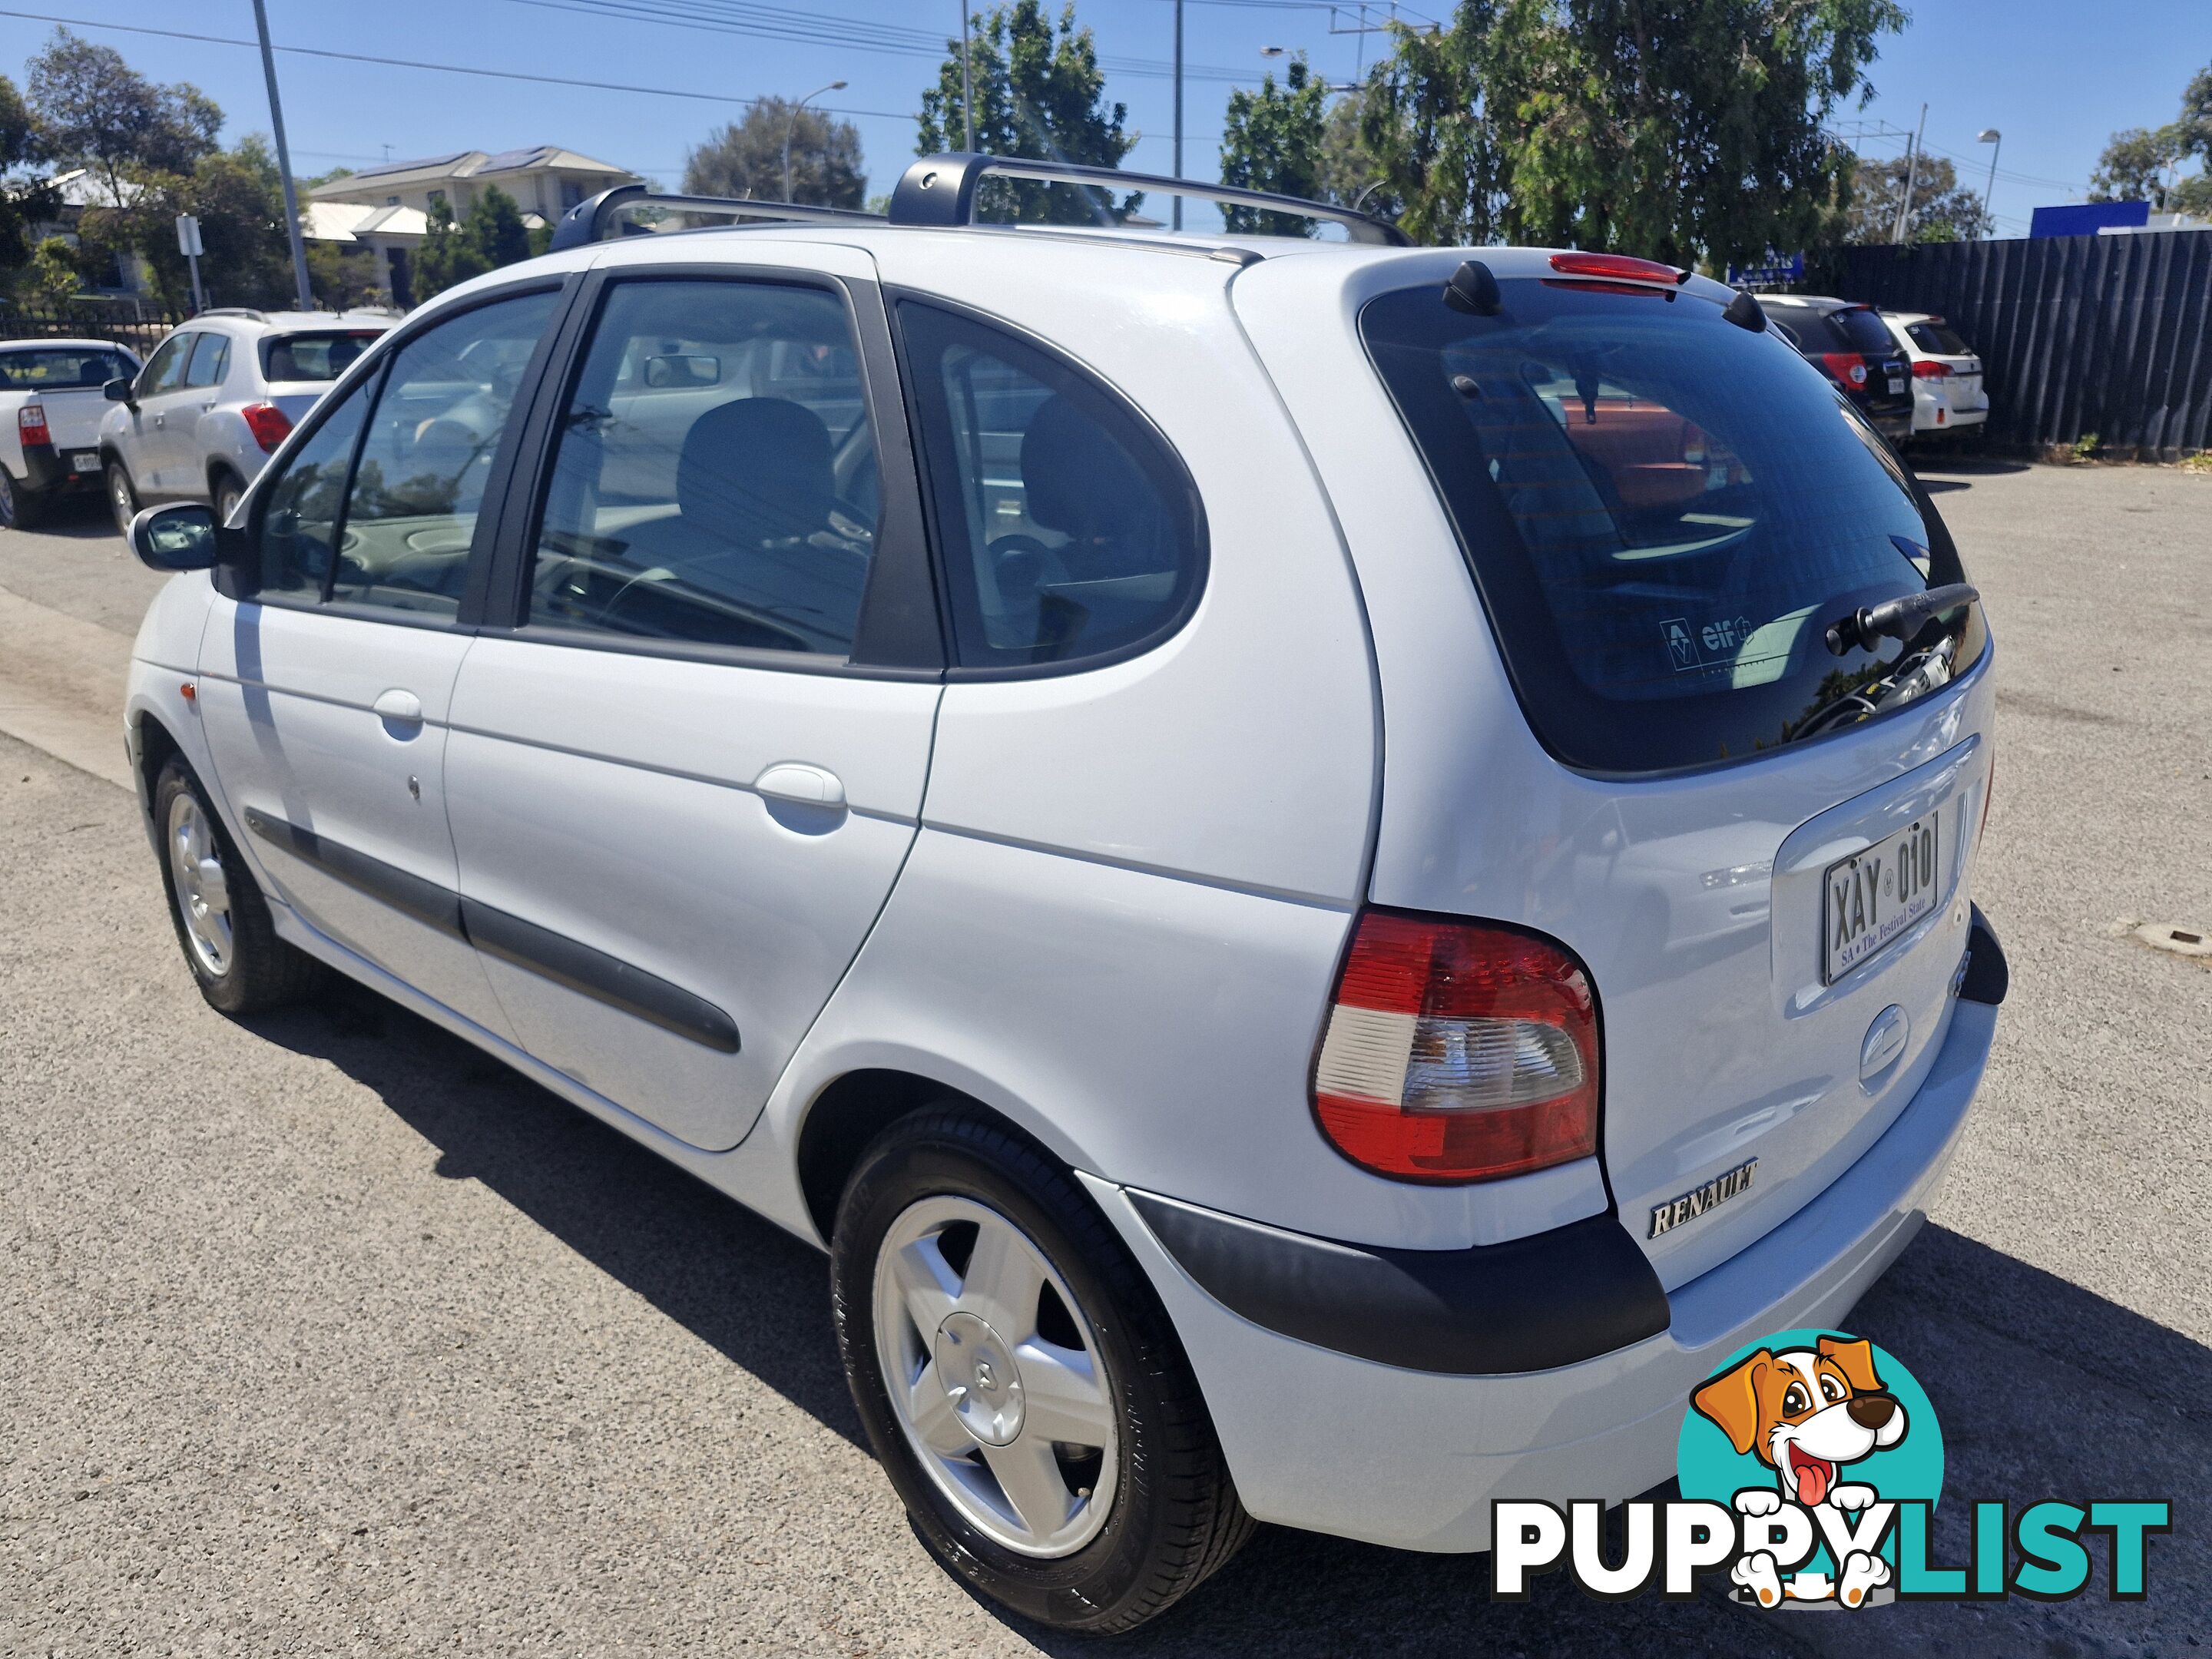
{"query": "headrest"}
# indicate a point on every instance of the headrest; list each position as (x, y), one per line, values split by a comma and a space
(757, 469)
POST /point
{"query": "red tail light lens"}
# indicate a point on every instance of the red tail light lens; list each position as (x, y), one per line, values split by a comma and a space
(1456, 1052)
(270, 425)
(1925, 370)
(1617, 268)
(1846, 366)
(31, 423)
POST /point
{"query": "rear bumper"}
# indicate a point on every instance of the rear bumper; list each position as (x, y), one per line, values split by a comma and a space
(1326, 1439)
(47, 468)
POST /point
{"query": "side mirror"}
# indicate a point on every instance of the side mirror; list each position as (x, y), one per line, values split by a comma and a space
(185, 536)
(117, 391)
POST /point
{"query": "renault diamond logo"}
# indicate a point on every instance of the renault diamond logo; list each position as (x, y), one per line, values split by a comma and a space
(1681, 646)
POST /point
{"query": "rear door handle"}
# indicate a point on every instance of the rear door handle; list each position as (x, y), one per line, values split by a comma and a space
(397, 705)
(797, 781)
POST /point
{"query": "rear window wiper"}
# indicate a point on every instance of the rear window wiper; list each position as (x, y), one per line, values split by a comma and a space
(1898, 619)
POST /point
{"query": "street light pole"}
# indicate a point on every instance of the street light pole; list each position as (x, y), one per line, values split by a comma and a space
(967, 87)
(1178, 108)
(792, 121)
(283, 162)
(1995, 140)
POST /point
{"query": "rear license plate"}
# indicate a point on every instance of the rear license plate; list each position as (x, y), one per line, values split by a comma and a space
(1872, 897)
(1896, 385)
(85, 460)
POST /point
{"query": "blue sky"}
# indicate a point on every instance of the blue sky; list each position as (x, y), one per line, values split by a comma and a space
(2057, 78)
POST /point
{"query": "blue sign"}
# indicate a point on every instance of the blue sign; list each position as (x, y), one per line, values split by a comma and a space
(1774, 268)
(2088, 218)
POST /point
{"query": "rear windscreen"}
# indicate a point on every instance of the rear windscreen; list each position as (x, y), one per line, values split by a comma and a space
(1938, 339)
(1663, 514)
(62, 369)
(1862, 331)
(312, 356)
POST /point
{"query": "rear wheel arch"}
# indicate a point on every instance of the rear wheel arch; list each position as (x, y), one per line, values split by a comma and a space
(846, 1116)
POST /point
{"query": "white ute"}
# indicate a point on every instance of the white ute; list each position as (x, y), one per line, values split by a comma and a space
(1327, 870)
(51, 405)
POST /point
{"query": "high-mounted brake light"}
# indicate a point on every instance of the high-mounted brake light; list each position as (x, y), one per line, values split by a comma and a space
(31, 424)
(1457, 1052)
(1927, 370)
(1846, 366)
(270, 425)
(1619, 268)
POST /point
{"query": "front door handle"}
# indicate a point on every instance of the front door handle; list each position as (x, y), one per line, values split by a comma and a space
(803, 785)
(397, 705)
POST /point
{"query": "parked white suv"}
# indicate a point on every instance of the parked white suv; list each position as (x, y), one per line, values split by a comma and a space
(50, 413)
(1947, 394)
(216, 398)
(1329, 870)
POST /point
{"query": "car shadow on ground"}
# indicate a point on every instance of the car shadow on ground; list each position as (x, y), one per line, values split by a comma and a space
(83, 516)
(2042, 1390)
(1939, 472)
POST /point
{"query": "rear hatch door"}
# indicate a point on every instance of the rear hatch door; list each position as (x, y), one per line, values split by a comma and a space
(1610, 715)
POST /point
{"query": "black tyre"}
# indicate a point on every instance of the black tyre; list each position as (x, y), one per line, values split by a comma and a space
(220, 918)
(21, 507)
(122, 496)
(1020, 1381)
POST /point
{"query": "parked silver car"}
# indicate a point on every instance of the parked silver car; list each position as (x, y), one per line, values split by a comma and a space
(216, 399)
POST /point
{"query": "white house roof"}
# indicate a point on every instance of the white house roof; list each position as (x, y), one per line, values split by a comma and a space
(348, 222)
(81, 188)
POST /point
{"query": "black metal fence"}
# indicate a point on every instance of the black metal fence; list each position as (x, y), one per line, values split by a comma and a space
(126, 322)
(2079, 336)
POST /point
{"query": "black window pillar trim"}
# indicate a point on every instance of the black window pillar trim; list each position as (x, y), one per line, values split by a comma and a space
(898, 632)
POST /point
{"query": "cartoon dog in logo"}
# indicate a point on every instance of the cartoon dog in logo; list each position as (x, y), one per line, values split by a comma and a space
(1806, 1413)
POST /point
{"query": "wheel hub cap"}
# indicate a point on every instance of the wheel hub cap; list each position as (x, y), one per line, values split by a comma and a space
(202, 890)
(981, 1379)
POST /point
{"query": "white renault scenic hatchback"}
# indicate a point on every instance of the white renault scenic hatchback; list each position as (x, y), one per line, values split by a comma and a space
(1327, 869)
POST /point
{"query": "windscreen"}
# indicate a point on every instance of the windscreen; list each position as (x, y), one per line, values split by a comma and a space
(320, 357)
(62, 369)
(1663, 513)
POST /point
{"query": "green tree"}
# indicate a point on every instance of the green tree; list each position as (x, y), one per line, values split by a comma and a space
(1273, 139)
(448, 255)
(1681, 129)
(235, 195)
(1038, 93)
(2135, 165)
(494, 226)
(96, 111)
(1349, 173)
(54, 276)
(25, 198)
(745, 158)
(1941, 211)
(453, 251)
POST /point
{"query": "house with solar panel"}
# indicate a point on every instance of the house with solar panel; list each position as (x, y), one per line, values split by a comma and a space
(385, 209)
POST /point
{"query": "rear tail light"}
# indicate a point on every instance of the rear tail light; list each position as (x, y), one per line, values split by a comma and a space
(1846, 366)
(1926, 370)
(1619, 268)
(31, 423)
(270, 425)
(1457, 1052)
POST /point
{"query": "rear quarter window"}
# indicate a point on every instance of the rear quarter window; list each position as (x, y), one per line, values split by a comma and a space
(1662, 514)
(1863, 332)
(1938, 340)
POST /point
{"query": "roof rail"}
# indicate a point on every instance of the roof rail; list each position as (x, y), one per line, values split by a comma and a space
(589, 220)
(940, 190)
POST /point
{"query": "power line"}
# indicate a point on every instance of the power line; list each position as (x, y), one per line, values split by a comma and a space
(443, 68)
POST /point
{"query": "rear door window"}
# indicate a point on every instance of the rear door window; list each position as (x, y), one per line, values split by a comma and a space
(1663, 514)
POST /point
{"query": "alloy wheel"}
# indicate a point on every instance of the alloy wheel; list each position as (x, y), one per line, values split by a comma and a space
(995, 1375)
(121, 497)
(203, 889)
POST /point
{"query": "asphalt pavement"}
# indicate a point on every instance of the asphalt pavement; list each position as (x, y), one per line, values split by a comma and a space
(322, 1334)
